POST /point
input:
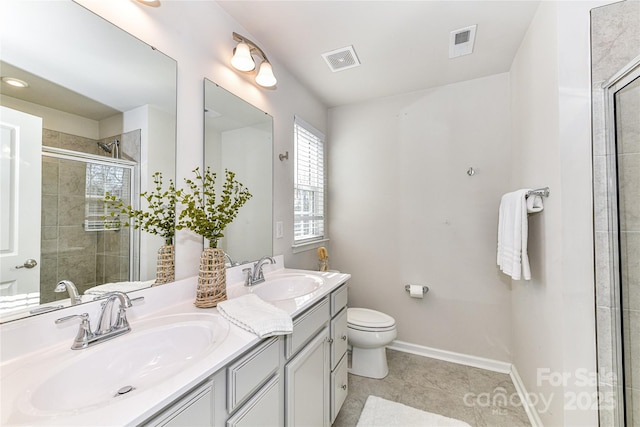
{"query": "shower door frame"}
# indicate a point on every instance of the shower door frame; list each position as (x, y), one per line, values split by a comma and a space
(134, 234)
(621, 79)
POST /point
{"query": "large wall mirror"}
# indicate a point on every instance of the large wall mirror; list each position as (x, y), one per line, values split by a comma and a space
(98, 115)
(239, 137)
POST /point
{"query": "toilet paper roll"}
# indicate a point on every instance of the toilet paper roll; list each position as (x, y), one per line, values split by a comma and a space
(415, 291)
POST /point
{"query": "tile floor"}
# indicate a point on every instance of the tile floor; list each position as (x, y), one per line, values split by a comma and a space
(475, 396)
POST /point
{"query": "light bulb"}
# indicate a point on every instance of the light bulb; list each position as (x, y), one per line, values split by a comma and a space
(242, 59)
(265, 77)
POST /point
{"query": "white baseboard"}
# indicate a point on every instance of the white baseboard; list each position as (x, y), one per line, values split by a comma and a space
(450, 356)
(534, 418)
(476, 362)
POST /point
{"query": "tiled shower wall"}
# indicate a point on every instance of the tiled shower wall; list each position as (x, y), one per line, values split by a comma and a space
(87, 258)
(615, 42)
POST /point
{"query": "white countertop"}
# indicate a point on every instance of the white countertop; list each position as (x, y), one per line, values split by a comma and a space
(29, 345)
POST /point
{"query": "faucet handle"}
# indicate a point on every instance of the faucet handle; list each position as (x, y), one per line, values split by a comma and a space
(84, 334)
(247, 278)
(84, 318)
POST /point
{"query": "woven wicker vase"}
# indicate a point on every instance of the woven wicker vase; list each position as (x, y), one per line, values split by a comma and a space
(165, 271)
(212, 278)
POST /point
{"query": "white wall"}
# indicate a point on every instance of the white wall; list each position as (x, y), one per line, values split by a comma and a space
(403, 210)
(553, 314)
(203, 49)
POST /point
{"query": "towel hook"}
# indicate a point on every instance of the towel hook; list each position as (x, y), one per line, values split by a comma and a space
(471, 171)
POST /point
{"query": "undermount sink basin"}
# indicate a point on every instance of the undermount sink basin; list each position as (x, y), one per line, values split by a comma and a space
(154, 351)
(288, 286)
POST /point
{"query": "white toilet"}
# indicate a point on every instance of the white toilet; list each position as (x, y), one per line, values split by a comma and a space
(368, 333)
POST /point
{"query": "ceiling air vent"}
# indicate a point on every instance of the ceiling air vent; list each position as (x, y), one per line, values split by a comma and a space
(341, 59)
(461, 41)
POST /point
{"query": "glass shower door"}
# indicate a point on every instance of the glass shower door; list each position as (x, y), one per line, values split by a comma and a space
(627, 137)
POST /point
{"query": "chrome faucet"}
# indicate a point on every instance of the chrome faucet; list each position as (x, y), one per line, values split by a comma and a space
(68, 286)
(257, 275)
(108, 327)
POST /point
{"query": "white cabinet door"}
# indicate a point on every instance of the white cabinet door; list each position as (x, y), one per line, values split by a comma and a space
(263, 409)
(307, 378)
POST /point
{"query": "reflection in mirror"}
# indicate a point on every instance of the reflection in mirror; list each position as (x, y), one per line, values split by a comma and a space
(97, 116)
(239, 137)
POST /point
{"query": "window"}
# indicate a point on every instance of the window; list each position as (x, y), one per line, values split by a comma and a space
(308, 222)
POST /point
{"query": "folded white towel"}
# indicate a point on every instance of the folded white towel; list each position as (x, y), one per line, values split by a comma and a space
(512, 235)
(118, 286)
(534, 204)
(257, 316)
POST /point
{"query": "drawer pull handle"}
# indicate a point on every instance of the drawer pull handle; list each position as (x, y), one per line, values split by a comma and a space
(344, 337)
(344, 386)
(330, 340)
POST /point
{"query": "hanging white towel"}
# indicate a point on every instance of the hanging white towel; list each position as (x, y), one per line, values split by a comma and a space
(512, 235)
(257, 316)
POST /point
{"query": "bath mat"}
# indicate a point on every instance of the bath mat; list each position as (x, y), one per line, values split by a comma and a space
(379, 412)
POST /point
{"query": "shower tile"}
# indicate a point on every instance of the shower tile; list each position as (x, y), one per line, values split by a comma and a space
(49, 175)
(78, 143)
(49, 216)
(130, 145)
(74, 240)
(629, 188)
(633, 405)
(600, 199)
(598, 119)
(50, 233)
(631, 330)
(48, 274)
(603, 270)
(72, 178)
(50, 138)
(80, 269)
(630, 269)
(606, 359)
(628, 106)
(615, 29)
(71, 210)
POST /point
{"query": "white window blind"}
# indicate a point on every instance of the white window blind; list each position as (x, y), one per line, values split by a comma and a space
(309, 183)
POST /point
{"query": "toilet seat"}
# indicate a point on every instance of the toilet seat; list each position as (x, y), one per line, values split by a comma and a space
(364, 319)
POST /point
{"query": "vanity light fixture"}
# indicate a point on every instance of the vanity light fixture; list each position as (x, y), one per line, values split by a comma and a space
(152, 3)
(15, 82)
(242, 60)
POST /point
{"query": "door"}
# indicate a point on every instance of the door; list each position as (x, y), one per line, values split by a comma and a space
(20, 182)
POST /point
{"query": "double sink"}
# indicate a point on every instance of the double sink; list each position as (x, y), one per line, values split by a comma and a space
(157, 349)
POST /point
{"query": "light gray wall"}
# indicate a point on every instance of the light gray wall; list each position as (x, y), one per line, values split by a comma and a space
(403, 210)
(553, 315)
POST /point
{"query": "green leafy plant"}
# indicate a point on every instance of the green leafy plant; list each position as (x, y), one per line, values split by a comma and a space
(202, 212)
(160, 217)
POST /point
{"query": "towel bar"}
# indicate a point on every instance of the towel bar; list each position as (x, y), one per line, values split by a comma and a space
(544, 192)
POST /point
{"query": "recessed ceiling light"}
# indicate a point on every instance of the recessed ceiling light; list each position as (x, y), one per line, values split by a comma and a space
(15, 82)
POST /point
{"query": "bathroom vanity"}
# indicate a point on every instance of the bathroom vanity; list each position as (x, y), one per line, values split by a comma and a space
(184, 365)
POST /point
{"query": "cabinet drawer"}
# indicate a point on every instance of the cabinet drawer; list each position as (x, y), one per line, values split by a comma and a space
(246, 375)
(338, 299)
(263, 409)
(339, 387)
(338, 337)
(306, 325)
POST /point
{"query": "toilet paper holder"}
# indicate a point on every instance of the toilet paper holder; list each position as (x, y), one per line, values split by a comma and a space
(425, 289)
